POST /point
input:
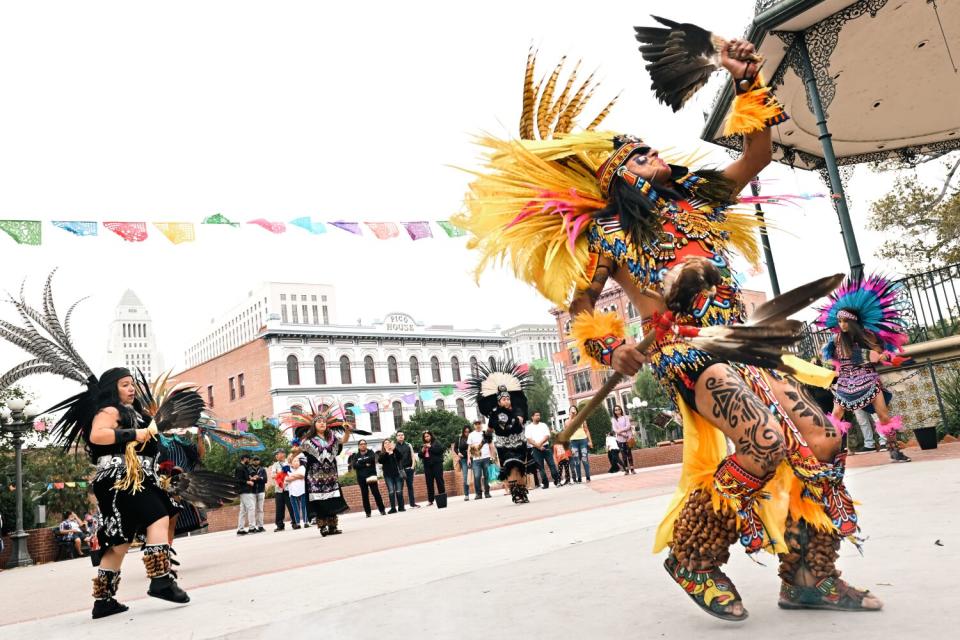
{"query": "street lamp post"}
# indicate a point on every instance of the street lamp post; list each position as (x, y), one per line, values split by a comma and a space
(16, 421)
(637, 404)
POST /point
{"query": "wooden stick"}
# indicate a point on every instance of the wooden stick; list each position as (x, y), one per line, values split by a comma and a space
(605, 390)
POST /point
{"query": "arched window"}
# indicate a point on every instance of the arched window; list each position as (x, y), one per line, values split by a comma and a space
(397, 415)
(375, 421)
(392, 370)
(474, 366)
(414, 369)
(319, 370)
(349, 415)
(368, 370)
(418, 405)
(493, 363)
(455, 368)
(345, 377)
(293, 370)
(440, 404)
(435, 368)
(461, 408)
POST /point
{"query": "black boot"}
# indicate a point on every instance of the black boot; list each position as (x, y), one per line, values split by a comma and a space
(104, 590)
(156, 559)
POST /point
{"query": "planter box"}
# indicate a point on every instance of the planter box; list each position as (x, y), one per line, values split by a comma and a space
(926, 437)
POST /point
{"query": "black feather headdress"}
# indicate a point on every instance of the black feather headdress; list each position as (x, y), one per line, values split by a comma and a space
(487, 383)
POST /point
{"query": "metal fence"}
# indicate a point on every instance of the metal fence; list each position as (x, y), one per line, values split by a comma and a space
(929, 302)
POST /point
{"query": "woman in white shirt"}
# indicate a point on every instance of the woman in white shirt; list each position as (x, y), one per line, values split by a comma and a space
(296, 490)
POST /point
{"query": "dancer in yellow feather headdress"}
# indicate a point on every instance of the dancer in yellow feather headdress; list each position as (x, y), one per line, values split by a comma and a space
(568, 210)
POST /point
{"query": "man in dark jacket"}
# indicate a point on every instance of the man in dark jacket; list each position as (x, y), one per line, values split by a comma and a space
(404, 453)
(248, 498)
(260, 490)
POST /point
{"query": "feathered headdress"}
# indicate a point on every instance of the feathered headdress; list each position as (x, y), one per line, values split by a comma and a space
(488, 384)
(302, 420)
(532, 202)
(875, 304)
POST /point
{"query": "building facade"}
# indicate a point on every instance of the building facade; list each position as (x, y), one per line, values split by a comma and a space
(583, 381)
(538, 346)
(378, 368)
(132, 343)
(293, 303)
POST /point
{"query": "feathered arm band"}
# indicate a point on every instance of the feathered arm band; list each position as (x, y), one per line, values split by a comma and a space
(598, 335)
(754, 109)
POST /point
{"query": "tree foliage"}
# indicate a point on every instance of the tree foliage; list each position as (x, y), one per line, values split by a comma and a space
(922, 222)
(444, 425)
(540, 395)
(647, 387)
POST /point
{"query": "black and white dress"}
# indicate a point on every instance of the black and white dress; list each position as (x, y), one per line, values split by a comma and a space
(508, 437)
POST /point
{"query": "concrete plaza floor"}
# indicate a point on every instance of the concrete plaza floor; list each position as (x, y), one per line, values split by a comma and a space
(574, 563)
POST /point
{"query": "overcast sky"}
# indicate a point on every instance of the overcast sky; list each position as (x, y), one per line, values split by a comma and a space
(175, 111)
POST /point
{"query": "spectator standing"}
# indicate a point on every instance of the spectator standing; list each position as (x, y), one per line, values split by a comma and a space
(297, 491)
(260, 486)
(392, 474)
(365, 464)
(459, 450)
(613, 452)
(538, 439)
(478, 454)
(277, 474)
(580, 445)
(431, 453)
(244, 476)
(623, 430)
(404, 453)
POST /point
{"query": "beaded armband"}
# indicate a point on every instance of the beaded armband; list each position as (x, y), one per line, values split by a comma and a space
(754, 109)
(601, 349)
(598, 335)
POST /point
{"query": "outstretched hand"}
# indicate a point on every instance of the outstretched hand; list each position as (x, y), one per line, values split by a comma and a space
(736, 57)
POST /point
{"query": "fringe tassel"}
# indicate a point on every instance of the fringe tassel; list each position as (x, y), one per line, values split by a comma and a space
(132, 480)
(754, 111)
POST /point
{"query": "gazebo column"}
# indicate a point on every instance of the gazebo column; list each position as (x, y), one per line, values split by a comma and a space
(830, 159)
(765, 241)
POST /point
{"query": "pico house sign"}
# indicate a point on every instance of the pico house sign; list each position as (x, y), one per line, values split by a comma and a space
(400, 322)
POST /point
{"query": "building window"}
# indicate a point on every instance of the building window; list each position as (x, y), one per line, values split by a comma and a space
(368, 371)
(397, 415)
(574, 356)
(293, 370)
(493, 363)
(414, 369)
(233, 391)
(474, 367)
(316, 318)
(375, 421)
(210, 396)
(313, 298)
(326, 318)
(319, 370)
(461, 408)
(283, 297)
(306, 318)
(455, 368)
(345, 377)
(440, 404)
(392, 372)
(283, 313)
(240, 387)
(435, 368)
(296, 316)
(632, 310)
(418, 405)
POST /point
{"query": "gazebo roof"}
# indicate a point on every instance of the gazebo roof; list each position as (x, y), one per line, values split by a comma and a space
(883, 73)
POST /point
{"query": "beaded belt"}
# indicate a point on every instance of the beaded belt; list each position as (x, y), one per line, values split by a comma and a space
(106, 462)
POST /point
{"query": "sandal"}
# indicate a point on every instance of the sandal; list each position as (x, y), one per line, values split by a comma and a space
(831, 594)
(711, 590)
